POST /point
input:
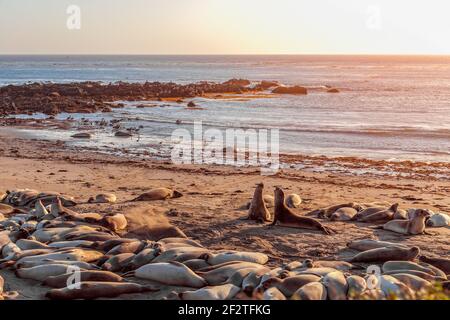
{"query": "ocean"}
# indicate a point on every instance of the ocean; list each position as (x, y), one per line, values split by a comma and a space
(389, 107)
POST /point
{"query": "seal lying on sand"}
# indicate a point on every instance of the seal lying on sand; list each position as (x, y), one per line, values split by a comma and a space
(410, 227)
(103, 198)
(93, 290)
(386, 254)
(286, 218)
(441, 263)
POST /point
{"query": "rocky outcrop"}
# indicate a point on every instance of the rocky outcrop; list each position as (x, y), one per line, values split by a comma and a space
(87, 97)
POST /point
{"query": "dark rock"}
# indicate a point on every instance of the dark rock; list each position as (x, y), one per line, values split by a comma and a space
(264, 85)
(82, 135)
(290, 90)
(123, 134)
(333, 90)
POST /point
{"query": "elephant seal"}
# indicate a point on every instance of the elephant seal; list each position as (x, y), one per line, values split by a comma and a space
(39, 210)
(338, 265)
(405, 265)
(273, 294)
(115, 222)
(368, 244)
(90, 275)
(118, 262)
(328, 211)
(400, 214)
(25, 244)
(181, 254)
(222, 292)
(286, 218)
(103, 198)
(158, 194)
(171, 273)
(221, 273)
(290, 285)
(417, 273)
(336, 285)
(146, 256)
(258, 210)
(293, 201)
(409, 227)
(71, 244)
(439, 220)
(196, 264)
(311, 291)
(343, 214)
(180, 240)
(228, 256)
(93, 290)
(7, 209)
(128, 247)
(42, 272)
(414, 282)
(394, 287)
(6, 295)
(369, 211)
(386, 254)
(268, 200)
(356, 286)
(381, 216)
(79, 264)
(440, 263)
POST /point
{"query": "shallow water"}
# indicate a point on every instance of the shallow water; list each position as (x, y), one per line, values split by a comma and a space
(388, 108)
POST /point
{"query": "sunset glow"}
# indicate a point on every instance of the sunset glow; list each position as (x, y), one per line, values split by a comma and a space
(227, 27)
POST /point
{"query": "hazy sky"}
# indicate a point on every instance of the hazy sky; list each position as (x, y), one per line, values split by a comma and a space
(227, 26)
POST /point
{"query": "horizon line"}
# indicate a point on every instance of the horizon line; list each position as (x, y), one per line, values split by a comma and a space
(233, 54)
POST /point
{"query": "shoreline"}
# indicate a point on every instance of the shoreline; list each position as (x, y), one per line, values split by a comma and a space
(214, 197)
(342, 165)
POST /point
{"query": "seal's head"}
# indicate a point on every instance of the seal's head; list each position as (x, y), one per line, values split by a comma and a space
(308, 263)
(271, 282)
(415, 251)
(177, 194)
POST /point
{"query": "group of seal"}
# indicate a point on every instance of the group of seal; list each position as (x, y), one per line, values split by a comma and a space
(45, 244)
(408, 222)
(283, 215)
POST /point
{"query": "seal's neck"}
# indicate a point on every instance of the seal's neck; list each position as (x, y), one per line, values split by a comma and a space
(279, 198)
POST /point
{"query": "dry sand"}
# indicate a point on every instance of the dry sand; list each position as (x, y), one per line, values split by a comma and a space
(211, 209)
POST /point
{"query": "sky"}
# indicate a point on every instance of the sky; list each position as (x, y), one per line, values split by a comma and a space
(225, 27)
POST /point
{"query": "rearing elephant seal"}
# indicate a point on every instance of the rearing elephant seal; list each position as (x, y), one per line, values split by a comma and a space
(258, 210)
(413, 226)
(386, 254)
(286, 218)
(158, 194)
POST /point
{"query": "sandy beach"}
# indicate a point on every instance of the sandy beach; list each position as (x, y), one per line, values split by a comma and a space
(211, 209)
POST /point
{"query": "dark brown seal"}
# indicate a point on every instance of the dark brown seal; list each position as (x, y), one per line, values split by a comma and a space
(286, 218)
